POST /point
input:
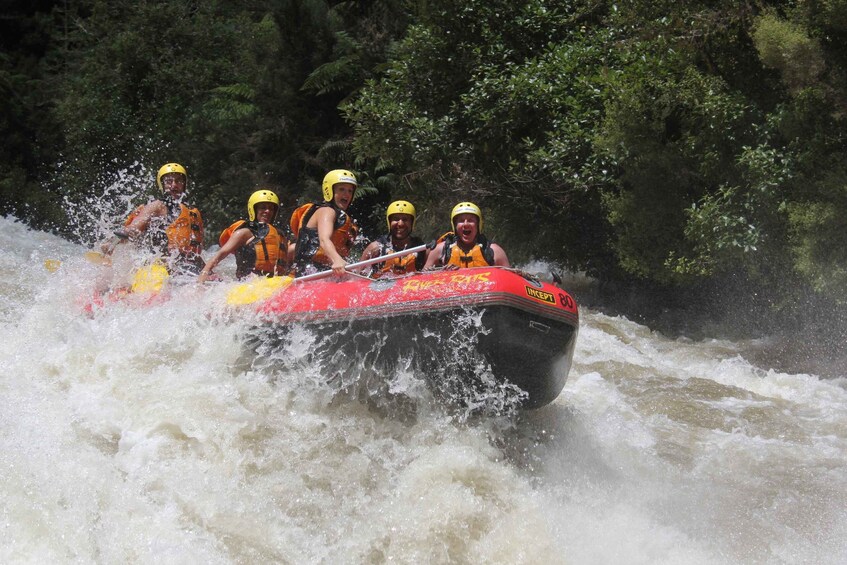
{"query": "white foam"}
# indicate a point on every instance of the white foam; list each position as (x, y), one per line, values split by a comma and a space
(146, 434)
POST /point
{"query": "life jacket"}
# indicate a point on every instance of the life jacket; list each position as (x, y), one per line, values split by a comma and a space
(184, 234)
(296, 220)
(263, 254)
(399, 265)
(480, 255)
(308, 247)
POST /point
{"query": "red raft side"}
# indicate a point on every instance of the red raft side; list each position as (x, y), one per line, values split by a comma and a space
(425, 292)
(96, 301)
(529, 334)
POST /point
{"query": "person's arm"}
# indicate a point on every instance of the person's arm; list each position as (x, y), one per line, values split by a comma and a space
(371, 251)
(141, 221)
(108, 246)
(283, 264)
(292, 252)
(238, 239)
(137, 227)
(433, 259)
(500, 258)
(326, 227)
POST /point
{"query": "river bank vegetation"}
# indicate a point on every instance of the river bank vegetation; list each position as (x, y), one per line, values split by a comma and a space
(692, 149)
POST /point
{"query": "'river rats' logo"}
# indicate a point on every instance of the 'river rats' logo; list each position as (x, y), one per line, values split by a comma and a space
(540, 295)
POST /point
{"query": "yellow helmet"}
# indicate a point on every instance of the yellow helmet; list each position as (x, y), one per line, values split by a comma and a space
(259, 196)
(466, 208)
(334, 177)
(400, 207)
(170, 168)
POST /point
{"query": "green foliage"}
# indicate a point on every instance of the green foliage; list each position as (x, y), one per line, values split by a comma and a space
(637, 138)
(332, 76)
(673, 134)
(723, 227)
(473, 103)
(243, 95)
(830, 15)
(786, 46)
(231, 104)
(816, 227)
(671, 142)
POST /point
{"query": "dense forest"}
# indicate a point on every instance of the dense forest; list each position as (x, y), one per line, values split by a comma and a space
(692, 148)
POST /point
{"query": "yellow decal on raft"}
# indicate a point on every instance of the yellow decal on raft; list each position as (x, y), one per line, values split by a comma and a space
(415, 284)
(465, 279)
(540, 295)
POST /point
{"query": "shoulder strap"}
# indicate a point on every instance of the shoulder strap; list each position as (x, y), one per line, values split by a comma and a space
(259, 230)
(448, 239)
(384, 243)
(487, 252)
(420, 256)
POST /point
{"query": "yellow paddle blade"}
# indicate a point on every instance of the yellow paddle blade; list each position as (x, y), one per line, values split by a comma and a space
(52, 265)
(97, 258)
(256, 290)
(150, 279)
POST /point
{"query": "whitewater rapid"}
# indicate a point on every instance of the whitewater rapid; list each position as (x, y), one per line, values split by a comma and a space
(148, 435)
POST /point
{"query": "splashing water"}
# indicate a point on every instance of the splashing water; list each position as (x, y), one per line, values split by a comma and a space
(393, 366)
(95, 216)
(155, 434)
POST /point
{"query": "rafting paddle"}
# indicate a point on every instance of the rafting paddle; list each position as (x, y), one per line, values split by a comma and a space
(52, 265)
(91, 256)
(97, 258)
(263, 288)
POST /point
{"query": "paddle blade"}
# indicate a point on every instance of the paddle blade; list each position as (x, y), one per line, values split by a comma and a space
(256, 290)
(150, 279)
(97, 258)
(52, 265)
(91, 256)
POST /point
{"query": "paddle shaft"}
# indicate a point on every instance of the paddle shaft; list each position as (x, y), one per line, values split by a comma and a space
(365, 263)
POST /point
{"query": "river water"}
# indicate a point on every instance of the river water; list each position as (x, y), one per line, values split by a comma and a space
(146, 435)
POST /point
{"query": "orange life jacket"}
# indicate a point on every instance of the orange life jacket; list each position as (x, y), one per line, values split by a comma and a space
(264, 254)
(296, 221)
(184, 234)
(399, 265)
(308, 247)
(480, 255)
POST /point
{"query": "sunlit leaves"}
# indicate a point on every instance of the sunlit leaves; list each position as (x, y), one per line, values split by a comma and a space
(787, 47)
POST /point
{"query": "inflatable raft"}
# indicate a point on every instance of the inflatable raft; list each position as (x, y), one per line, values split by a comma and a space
(517, 330)
(480, 334)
